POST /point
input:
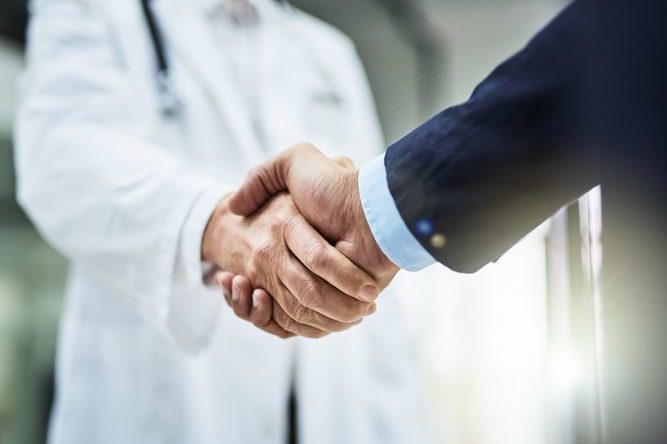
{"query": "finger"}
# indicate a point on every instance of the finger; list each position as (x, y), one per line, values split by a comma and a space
(262, 182)
(262, 315)
(262, 308)
(346, 162)
(323, 299)
(276, 330)
(326, 261)
(268, 179)
(290, 325)
(224, 280)
(241, 297)
(335, 311)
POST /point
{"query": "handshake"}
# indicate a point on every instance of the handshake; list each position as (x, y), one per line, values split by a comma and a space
(296, 254)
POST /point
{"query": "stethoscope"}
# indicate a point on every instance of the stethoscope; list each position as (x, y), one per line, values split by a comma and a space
(170, 105)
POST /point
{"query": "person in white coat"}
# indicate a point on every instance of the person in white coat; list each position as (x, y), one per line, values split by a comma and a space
(123, 184)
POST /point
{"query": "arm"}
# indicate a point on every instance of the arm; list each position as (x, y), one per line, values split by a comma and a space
(478, 176)
(95, 186)
(483, 174)
(131, 213)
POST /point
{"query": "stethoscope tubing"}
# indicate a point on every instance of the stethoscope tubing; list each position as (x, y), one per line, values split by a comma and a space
(170, 105)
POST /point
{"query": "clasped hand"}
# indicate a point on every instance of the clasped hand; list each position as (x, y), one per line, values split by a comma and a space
(296, 254)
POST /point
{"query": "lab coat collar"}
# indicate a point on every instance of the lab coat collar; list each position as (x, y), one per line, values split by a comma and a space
(213, 7)
(194, 45)
(261, 7)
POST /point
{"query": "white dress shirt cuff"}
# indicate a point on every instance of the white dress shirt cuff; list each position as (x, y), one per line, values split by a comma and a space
(385, 221)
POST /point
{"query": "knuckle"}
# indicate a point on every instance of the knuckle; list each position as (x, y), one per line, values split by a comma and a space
(292, 226)
(314, 299)
(263, 252)
(361, 309)
(278, 223)
(316, 256)
(319, 334)
(356, 311)
(309, 147)
(311, 294)
(287, 324)
(284, 335)
(256, 171)
(302, 314)
(305, 146)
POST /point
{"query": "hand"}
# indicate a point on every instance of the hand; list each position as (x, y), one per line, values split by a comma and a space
(328, 294)
(327, 195)
(253, 306)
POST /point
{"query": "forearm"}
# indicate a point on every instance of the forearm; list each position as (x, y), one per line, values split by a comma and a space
(481, 175)
(104, 193)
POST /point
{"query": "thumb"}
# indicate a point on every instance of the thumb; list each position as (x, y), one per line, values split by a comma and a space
(261, 183)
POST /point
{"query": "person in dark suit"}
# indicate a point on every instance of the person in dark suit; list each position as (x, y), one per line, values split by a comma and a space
(583, 104)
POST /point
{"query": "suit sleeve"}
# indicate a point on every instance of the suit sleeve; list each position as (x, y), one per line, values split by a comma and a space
(476, 178)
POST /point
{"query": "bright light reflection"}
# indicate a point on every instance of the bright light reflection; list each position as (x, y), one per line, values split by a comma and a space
(566, 372)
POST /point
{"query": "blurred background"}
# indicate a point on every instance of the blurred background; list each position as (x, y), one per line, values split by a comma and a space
(498, 351)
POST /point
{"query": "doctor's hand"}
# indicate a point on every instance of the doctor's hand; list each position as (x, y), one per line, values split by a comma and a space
(254, 306)
(327, 195)
(316, 290)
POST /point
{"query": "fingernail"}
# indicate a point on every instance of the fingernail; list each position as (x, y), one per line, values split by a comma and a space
(255, 300)
(369, 293)
(235, 293)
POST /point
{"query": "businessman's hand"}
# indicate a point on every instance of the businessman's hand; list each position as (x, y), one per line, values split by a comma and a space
(326, 193)
(327, 294)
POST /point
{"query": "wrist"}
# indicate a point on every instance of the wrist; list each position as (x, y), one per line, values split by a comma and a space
(214, 232)
(364, 234)
(355, 207)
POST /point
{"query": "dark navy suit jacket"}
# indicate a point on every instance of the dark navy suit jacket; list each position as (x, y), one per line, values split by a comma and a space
(584, 103)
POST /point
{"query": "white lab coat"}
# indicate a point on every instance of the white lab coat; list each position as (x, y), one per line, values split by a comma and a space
(147, 353)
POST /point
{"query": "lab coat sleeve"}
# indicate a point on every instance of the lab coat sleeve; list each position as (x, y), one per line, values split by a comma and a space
(109, 200)
(190, 268)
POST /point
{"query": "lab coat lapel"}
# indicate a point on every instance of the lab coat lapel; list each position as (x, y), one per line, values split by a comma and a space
(185, 32)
